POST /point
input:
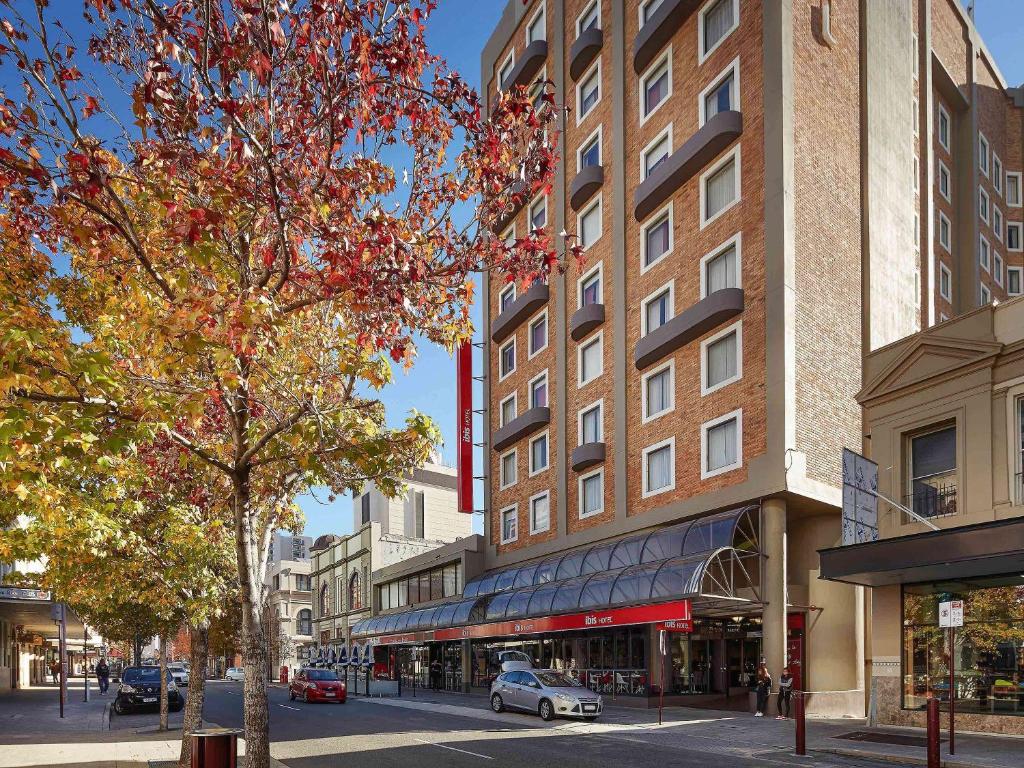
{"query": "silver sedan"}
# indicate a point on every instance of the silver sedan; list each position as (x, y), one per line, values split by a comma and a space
(547, 692)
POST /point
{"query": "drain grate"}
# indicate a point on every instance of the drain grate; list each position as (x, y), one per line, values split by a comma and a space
(875, 737)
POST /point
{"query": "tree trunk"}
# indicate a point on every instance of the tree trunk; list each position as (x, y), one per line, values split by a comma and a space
(163, 682)
(199, 640)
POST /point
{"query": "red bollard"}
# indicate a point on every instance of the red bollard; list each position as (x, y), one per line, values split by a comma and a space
(933, 732)
(801, 726)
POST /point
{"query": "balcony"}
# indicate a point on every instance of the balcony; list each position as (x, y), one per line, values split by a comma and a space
(932, 499)
(518, 195)
(585, 185)
(520, 427)
(530, 62)
(705, 315)
(526, 304)
(584, 50)
(587, 455)
(686, 162)
(659, 29)
(585, 319)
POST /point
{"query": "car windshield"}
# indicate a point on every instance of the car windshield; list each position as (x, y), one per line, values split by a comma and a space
(557, 680)
(143, 675)
(321, 674)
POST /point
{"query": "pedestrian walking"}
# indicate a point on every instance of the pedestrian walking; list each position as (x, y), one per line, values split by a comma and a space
(435, 675)
(785, 691)
(764, 688)
(55, 670)
(103, 676)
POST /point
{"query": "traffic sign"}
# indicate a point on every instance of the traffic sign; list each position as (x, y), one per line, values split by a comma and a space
(951, 613)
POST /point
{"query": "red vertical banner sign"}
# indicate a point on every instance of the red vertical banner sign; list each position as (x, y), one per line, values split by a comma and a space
(464, 409)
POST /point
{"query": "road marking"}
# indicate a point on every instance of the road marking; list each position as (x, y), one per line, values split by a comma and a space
(287, 707)
(453, 749)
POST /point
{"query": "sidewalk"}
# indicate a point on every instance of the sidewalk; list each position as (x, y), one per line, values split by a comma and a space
(37, 709)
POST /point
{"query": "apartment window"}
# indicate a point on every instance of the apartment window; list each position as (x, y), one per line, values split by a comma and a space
(656, 239)
(657, 310)
(539, 333)
(588, 224)
(507, 356)
(655, 153)
(589, 19)
(659, 473)
(506, 297)
(509, 524)
(588, 92)
(507, 470)
(364, 508)
(917, 232)
(536, 28)
(944, 181)
(722, 95)
(590, 152)
(997, 223)
(539, 213)
(720, 269)
(1013, 235)
(592, 493)
(721, 444)
(1013, 181)
(305, 622)
(997, 268)
(945, 236)
(983, 154)
(915, 120)
(539, 391)
(997, 173)
(983, 204)
(302, 583)
(419, 500)
(986, 295)
(656, 86)
(717, 20)
(932, 484)
(277, 582)
(647, 10)
(915, 55)
(720, 188)
(506, 69)
(539, 453)
(590, 425)
(984, 254)
(507, 410)
(945, 282)
(658, 392)
(591, 359)
(540, 513)
(590, 287)
(916, 174)
(721, 359)
(1013, 280)
(943, 128)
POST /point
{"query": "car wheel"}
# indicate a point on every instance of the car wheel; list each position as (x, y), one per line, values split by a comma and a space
(120, 707)
(291, 695)
(177, 708)
(305, 696)
(497, 704)
(547, 712)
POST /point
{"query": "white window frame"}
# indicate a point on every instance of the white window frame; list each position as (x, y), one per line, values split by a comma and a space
(599, 404)
(510, 64)
(949, 228)
(707, 425)
(734, 67)
(997, 268)
(1020, 279)
(702, 54)
(915, 53)
(514, 397)
(671, 443)
(671, 287)
(596, 4)
(733, 155)
(1020, 236)
(1020, 192)
(916, 118)
(986, 295)
(599, 204)
(542, 198)
(537, 497)
(655, 218)
(917, 174)
(645, 415)
(597, 133)
(514, 509)
(501, 295)
(666, 131)
(534, 471)
(595, 67)
(944, 271)
(664, 59)
(944, 173)
(597, 338)
(529, 388)
(997, 173)
(997, 223)
(501, 349)
(736, 327)
(597, 269)
(983, 140)
(503, 483)
(737, 241)
(532, 353)
(985, 246)
(949, 128)
(541, 11)
(579, 509)
(983, 195)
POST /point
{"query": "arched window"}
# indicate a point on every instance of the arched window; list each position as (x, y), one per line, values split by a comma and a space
(325, 600)
(355, 592)
(305, 622)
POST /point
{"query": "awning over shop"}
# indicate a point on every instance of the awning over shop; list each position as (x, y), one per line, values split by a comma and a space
(32, 611)
(983, 549)
(712, 562)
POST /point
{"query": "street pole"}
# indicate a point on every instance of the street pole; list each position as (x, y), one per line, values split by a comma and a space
(661, 695)
(952, 693)
(62, 649)
(85, 661)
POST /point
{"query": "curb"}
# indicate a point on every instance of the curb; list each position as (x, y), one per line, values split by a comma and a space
(105, 719)
(898, 759)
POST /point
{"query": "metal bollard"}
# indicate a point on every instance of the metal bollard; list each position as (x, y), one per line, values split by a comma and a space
(933, 732)
(801, 726)
(215, 748)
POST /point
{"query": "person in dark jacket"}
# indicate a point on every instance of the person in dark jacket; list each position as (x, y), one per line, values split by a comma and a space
(103, 676)
(435, 675)
(764, 688)
(785, 691)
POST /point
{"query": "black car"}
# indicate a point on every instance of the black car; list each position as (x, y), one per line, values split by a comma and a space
(140, 689)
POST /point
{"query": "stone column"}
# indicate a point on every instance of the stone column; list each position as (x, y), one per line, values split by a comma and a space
(467, 666)
(773, 544)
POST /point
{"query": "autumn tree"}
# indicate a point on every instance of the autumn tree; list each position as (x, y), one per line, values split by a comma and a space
(254, 200)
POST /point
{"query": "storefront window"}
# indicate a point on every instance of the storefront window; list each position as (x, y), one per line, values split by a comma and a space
(987, 651)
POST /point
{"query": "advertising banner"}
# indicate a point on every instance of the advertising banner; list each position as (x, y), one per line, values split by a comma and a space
(464, 413)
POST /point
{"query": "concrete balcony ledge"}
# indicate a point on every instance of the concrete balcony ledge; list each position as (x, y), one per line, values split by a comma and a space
(520, 427)
(525, 305)
(585, 319)
(530, 62)
(686, 162)
(584, 50)
(659, 29)
(587, 455)
(706, 314)
(585, 185)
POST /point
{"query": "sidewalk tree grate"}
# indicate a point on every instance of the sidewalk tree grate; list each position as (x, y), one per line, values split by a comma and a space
(875, 737)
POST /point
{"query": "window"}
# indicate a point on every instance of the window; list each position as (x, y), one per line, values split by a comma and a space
(984, 254)
(656, 86)
(722, 359)
(590, 287)
(355, 592)
(539, 333)
(540, 513)
(592, 493)
(507, 411)
(1013, 280)
(589, 153)
(986, 295)
(590, 424)
(943, 128)
(364, 508)
(539, 391)
(944, 181)
(917, 174)
(302, 582)
(419, 509)
(507, 356)
(588, 224)
(657, 310)
(997, 268)
(647, 10)
(945, 237)
(656, 239)
(997, 173)
(717, 19)
(945, 282)
(983, 204)
(507, 469)
(658, 392)
(509, 524)
(591, 359)
(655, 153)
(983, 153)
(659, 473)
(1013, 189)
(277, 582)
(720, 188)
(539, 454)
(588, 92)
(720, 269)
(997, 223)
(931, 490)
(1013, 235)
(722, 95)
(915, 55)
(914, 117)
(507, 296)
(506, 69)
(539, 213)
(721, 444)
(535, 30)
(305, 622)
(589, 19)
(917, 232)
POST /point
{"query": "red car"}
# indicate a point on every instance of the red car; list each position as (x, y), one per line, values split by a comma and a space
(317, 685)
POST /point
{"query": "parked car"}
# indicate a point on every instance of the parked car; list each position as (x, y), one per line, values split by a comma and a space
(547, 692)
(235, 673)
(180, 673)
(139, 689)
(317, 685)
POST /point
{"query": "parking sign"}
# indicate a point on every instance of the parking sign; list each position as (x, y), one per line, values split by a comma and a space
(951, 613)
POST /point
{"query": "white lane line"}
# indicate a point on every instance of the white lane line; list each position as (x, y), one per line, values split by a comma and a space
(453, 749)
(287, 707)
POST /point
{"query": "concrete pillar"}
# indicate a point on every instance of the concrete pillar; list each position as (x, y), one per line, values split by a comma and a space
(773, 544)
(467, 666)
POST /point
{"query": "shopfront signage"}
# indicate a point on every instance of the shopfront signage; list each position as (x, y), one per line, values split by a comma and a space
(685, 625)
(17, 593)
(951, 613)
(464, 411)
